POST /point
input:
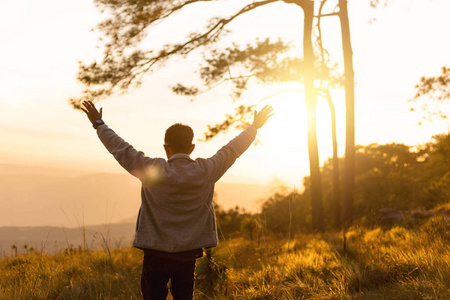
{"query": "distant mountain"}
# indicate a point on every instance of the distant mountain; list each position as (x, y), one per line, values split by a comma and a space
(45, 196)
(248, 196)
(50, 239)
(47, 199)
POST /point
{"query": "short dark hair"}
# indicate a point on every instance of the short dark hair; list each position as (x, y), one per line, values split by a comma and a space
(179, 137)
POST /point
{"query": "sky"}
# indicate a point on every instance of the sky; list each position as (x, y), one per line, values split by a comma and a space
(41, 43)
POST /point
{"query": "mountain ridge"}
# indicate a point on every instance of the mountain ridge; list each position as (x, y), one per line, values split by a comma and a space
(64, 198)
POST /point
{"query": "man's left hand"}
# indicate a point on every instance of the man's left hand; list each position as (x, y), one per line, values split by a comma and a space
(92, 112)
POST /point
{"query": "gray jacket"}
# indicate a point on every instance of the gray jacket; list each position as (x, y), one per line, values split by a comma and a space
(176, 211)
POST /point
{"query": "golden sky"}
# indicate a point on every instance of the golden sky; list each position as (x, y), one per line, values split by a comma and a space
(41, 42)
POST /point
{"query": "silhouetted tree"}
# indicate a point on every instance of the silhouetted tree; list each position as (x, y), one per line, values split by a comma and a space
(284, 212)
(349, 165)
(397, 176)
(124, 64)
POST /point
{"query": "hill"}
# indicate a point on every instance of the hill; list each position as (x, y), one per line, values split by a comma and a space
(51, 239)
(32, 196)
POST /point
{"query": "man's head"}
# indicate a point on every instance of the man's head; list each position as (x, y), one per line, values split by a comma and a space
(178, 139)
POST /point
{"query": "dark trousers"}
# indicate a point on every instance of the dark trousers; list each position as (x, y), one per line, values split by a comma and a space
(156, 273)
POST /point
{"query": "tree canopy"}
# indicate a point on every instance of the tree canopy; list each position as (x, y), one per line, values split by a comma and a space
(125, 61)
(394, 176)
(433, 93)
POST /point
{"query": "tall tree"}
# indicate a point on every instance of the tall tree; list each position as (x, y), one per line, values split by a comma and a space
(124, 64)
(336, 193)
(349, 83)
(311, 109)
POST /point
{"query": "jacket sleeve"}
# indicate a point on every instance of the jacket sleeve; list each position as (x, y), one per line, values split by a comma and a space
(129, 158)
(227, 155)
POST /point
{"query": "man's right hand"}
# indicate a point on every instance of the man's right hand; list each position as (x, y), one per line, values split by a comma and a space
(261, 118)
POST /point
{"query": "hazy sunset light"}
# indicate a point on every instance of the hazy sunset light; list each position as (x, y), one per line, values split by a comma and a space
(224, 149)
(42, 42)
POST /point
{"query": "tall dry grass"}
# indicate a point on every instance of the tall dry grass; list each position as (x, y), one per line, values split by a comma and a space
(397, 263)
(72, 275)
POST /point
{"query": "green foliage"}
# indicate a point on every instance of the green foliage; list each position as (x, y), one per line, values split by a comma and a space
(284, 213)
(236, 222)
(438, 191)
(384, 177)
(394, 176)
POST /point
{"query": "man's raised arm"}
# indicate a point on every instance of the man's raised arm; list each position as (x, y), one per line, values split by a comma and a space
(227, 155)
(129, 158)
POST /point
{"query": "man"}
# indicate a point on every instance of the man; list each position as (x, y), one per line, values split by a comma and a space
(176, 219)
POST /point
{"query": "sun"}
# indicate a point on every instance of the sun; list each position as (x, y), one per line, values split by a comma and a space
(290, 114)
(286, 131)
(282, 150)
(289, 118)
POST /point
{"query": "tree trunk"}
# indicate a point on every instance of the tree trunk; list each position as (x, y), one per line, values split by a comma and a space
(349, 163)
(311, 107)
(336, 200)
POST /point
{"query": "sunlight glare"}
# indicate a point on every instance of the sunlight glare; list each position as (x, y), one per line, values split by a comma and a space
(285, 135)
(289, 122)
(288, 125)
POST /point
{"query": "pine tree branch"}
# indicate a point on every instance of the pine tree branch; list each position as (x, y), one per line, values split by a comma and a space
(117, 72)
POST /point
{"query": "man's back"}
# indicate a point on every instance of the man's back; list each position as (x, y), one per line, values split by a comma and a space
(176, 219)
(176, 212)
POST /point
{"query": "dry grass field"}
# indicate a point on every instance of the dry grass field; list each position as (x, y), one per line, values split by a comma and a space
(396, 263)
